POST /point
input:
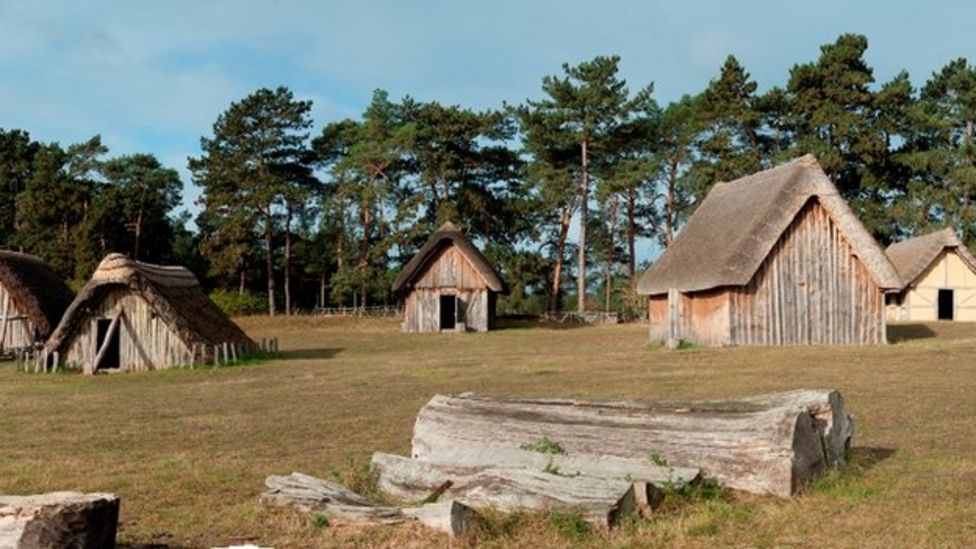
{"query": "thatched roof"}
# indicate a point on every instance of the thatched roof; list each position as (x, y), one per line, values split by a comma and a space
(733, 230)
(447, 235)
(913, 256)
(173, 292)
(35, 290)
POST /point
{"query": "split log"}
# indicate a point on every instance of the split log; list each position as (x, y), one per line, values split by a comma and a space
(312, 495)
(59, 519)
(602, 501)
(769, 444)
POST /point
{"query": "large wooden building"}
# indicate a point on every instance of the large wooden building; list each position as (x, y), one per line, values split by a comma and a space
(448, 286)
(137, 316)
(32, 299)
(939, 277)
(775, 258)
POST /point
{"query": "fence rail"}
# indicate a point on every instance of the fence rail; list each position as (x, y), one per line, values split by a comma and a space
(589, 317)
(376, 311)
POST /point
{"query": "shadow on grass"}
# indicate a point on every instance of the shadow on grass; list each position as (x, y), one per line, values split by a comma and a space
(308, 354)
(901, 333)
(150, 545)
(532, 322)
(865, 457)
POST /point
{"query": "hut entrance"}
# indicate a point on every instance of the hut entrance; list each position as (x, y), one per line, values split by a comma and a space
(448, 312)
(946, 305)
(110, 360)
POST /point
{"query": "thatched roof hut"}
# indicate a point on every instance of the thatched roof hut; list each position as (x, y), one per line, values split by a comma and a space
(938, 274)
(164, 318)
(448, 285)
(776, 257)
(32, 299)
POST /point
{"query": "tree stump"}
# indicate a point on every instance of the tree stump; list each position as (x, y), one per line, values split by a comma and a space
(59, 519)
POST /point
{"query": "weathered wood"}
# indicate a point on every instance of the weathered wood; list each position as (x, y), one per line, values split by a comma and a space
(603, 501)
(771, 444)
(113, 328)
(312, 495)
(59, 519)
(674, 319)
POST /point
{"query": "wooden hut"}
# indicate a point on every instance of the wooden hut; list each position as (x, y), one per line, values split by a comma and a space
(938, 274)
(448, 286)
(32, 299)
(138, 316)
(775, 258)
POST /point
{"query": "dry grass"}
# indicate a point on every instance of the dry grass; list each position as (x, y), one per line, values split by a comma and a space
(188, 450)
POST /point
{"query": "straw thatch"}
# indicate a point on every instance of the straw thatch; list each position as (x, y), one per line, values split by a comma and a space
(35, 290)
(173, 293)
(736, 226)
(446, 235)
(913, 256)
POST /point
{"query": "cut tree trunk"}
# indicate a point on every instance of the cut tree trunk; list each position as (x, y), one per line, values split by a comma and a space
(312, 495)
(59, 519)
(602, 501)
(770, 444)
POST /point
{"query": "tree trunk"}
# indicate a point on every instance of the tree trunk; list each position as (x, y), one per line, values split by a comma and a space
(269, 261)
(584, 203)
(632, 235)
(565, 218)
(288, 216)
(322, 289)
(611, 229)
(240, 283)
(669, 219)
(771, 444)
(603, 501)
(138, 231)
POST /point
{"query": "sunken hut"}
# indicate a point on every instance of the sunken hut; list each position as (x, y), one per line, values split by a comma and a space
(938, 273)
(774, 258)
(138, 316)
(448, 286)
(32, 299)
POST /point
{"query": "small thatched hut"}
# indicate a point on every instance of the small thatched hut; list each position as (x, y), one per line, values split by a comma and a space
(775, 258)
(32, 299)
(448, 286)
(138, 316)
(939, 276)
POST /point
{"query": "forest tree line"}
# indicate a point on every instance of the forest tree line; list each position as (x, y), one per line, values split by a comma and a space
(559, 192)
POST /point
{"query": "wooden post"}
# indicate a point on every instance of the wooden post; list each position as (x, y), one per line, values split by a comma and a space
(233, 351)
(216, 355)
(674, 319)
(3, 329)
(109, 334)
(54, 365)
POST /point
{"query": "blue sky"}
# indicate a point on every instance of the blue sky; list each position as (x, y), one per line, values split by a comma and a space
(153, 76)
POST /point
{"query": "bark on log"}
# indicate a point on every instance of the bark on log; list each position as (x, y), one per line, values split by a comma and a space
(59, 519)
(770, 444)
(312, 495)
(603, 501)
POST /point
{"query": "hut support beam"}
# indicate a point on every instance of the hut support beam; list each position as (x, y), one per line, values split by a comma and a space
(109, 334)
(3, 329)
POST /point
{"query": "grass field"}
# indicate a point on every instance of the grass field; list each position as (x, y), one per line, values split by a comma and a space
(188, 450)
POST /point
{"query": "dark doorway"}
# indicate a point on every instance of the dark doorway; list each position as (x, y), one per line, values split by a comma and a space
(946, 305)
(448, 312)
(111, 359)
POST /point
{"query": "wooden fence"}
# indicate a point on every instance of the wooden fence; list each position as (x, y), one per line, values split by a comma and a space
(375, 311)
(224, 354)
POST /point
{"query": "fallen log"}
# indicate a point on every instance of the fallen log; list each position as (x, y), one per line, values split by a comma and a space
(313, 495)
(770, 444)
(602, 501)
(59, 519)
